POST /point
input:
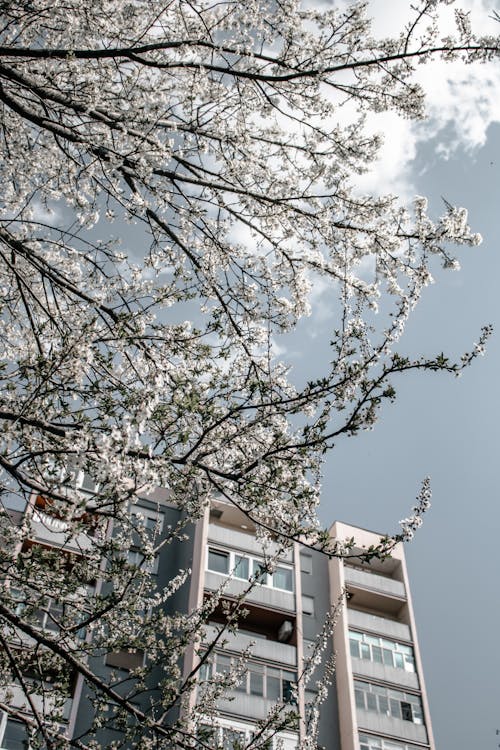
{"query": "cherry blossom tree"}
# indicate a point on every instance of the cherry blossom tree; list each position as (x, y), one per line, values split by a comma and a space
(176, 176)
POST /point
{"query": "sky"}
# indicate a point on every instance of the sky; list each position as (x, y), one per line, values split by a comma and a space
(441, 426)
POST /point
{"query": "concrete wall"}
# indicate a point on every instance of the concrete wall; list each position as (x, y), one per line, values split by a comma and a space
(173, 557)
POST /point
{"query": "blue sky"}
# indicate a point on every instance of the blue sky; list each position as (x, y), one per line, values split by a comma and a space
(448, 428)
(442, 426)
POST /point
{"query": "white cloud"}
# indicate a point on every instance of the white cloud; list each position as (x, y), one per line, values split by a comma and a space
(461, 99)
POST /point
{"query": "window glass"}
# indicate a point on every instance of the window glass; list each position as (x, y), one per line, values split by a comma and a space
(388, 657)
(406, 712)
(383, 703)
(398, 660)
(371, 742)
(125, 659)
(377, 654)
(306, 563)
(354, 645)
(307, 604)
(283, 579)
(273, 685)
(242, 685)
(409, 663)
(371, 702)
(395, 708)
(205, 671)
(287, 685)
(262, 744)
(136, 558)
(360, 698)
(256, 673)
(232, 739)
(15, 736)
(365, 651)
(241, 567)
(223, 664)
(259, 570)
(148, 519)
(218, 561)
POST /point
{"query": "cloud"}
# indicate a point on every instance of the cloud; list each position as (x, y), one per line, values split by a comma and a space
(461, 102)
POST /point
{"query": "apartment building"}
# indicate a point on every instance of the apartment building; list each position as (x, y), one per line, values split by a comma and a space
(377, 700)
(379, 680)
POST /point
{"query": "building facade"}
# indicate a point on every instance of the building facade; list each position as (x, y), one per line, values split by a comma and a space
(377, 700)
(380, 684)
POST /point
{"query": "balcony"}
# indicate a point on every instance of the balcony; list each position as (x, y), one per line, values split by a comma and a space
(381, 625)
(249, 707)
(51, 530)
(373, 582)
(267, 650)
(382, 672)
(263, 595)
(234, 539)
(388, 725)
(14, 696)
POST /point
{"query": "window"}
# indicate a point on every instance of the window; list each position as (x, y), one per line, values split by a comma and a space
(241, 567)
(259, 679)
(259, 570)
(306, 563)
(147, 518)
(244, 566)
(136, 558)
(371, 742)
(406, 711)
(381, 650)
(231, 738)
(283, 578)
(13, 734)
(125, 659)
(218, 561)
(307, 605)
(382, 700)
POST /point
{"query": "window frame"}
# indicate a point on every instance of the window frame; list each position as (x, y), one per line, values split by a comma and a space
(235, 558)
(367, 643)
(287, 677)
(310, 610)
(4, 720)
(149, 566)
(376, 742)
(145, 515)
(373, 696)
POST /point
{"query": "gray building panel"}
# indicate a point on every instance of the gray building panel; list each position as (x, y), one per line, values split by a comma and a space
(315, 583)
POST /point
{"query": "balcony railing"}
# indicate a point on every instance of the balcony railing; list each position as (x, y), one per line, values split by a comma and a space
(54, 531)
(384, 673)
(15, 696)
(380, 625)
(234, 539)
(374, 582)
(388, 725)
(264, 595)
(249, 706)
(267, 650)
(50, 522)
